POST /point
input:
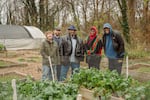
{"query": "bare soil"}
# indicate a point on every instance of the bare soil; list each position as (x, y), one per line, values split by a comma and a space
(29, 62)
(33, 67)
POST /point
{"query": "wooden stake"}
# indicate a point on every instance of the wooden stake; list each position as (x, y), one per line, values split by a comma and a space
(14, 89)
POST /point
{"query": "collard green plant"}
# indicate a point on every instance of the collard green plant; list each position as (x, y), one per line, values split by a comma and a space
(107, 83)
(46, 90)
(6, 92)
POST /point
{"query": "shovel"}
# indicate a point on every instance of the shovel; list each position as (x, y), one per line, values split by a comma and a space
(50, 63)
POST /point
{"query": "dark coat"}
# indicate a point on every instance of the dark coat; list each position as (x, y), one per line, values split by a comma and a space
(93, 59)
(118, 43)
(66, 49)
(98, 46)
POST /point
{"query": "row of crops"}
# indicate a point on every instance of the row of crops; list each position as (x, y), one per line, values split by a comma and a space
(103, 83)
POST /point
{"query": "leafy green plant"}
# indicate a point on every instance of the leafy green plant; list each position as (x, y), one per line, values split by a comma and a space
(2, 47)
(46, 90)
(147, 90)
(6, 91)
(107, 83)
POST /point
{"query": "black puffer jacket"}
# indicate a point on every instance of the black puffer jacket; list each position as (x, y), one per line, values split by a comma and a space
(66, 49)
(118, 43)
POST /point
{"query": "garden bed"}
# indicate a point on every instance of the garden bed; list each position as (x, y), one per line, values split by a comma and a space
(5, 64)
(140, 72)
(108, 85)
(89, 95)
(140, 66)
(8, 76)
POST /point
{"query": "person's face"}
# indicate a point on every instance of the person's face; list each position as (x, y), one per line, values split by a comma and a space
(57, 32)
(72, 32)
(49, 36)
(106, 30)
(92, 32)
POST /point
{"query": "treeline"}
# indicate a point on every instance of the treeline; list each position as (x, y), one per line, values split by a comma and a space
(130, 16)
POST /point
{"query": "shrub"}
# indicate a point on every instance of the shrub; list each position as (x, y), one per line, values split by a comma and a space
(2, 47)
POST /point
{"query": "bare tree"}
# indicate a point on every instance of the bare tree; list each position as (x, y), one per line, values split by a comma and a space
(72, 4)
(124, 22)
(30, 12)
(84, 7)
(146, 20)
(146, 16)
(131, 10)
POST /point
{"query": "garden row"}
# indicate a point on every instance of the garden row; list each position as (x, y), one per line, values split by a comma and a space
(103, 85)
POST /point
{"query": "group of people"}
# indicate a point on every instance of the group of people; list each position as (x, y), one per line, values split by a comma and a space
(59, 53)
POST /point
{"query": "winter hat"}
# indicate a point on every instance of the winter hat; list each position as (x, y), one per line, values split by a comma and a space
(72, 28)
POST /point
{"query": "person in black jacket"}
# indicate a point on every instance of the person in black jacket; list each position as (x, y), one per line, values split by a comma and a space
(113, 47)
(72, 52)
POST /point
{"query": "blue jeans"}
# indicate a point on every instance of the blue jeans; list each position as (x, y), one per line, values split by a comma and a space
(46, 72)
(64, 70)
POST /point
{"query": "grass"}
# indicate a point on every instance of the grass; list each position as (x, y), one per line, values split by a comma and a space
(137, 50)
(9, 77)
(5, 63)
(21, 60)
(144, 69)
(133, 54)
(30, 59)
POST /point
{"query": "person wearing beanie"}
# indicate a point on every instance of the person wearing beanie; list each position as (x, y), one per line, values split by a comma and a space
(93, 47)
(72, 52)
(113, 47)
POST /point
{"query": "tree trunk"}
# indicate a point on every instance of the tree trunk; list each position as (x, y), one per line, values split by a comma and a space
(84, 9)
(41, 11)
(33, 13)
(124, 22)
(75, 16)
(146, 21)
(131, 5)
